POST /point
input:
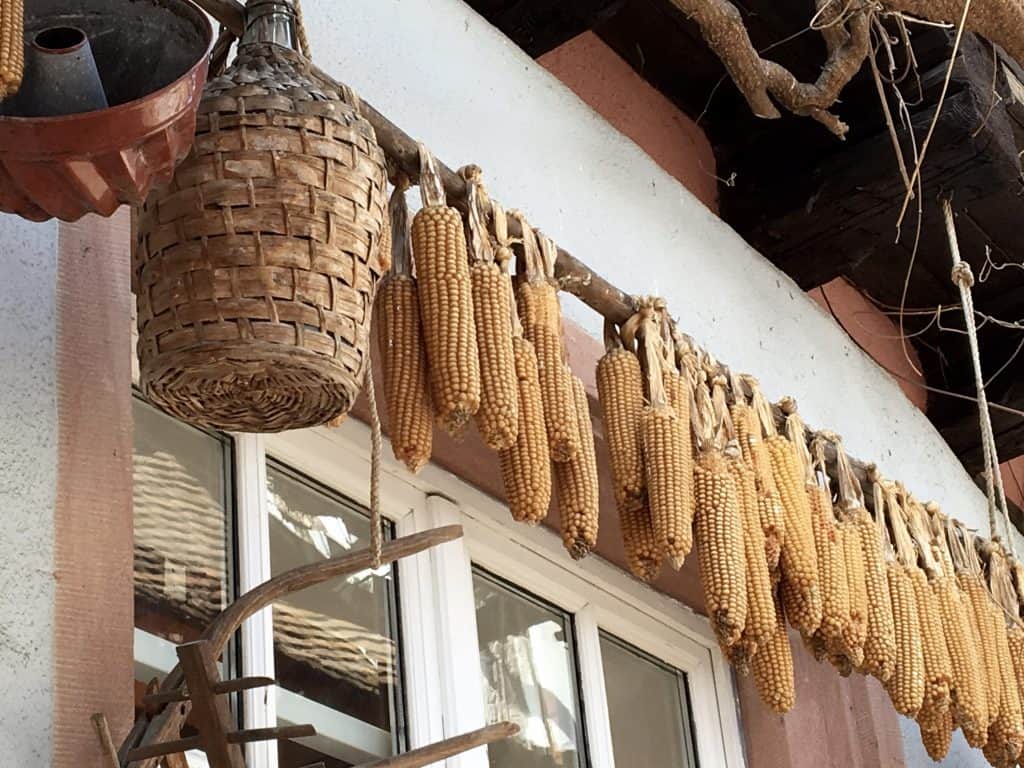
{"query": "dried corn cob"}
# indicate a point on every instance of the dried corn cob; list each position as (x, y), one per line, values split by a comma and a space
(801, 585)
(978, 600)
(772, 667)
(719, 523)
(12, 46)
(906, 685)
(760, 605)
(446, 305)
(937, 735)
(1006, 734)
(526, 465)
(643, 554)
(576, 486)
(880, 642)
(665, 443)
(620, 389)
(938, 669)
(400, 335)
(538, 304)
(498, 415)
(750, 431)
(968, 695)
(857, 628)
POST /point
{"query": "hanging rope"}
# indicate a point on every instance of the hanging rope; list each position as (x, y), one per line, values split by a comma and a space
(963, 278)
(300, 30)
(376, 452)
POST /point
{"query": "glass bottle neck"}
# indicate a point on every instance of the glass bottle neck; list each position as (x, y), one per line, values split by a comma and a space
(270, 21)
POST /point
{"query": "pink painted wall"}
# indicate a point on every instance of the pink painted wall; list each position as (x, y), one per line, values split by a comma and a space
(610, 86)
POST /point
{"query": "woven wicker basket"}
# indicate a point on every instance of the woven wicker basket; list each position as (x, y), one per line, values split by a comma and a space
(255, 269)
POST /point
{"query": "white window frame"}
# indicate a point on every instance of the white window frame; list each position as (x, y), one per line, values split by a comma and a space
(443, 692)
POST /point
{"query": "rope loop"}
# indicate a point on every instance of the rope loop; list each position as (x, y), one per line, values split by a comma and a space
(962, 275)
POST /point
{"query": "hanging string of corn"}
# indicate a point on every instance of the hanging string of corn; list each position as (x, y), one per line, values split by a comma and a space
(526, 464)
(829, 641)
(718, 518)
(12, 46)
(446, 304)
(1006, 734)
(541, 314)
(497, 417)
(403, 353)
(791, 467)
(880, 642)
(663, 439)
(620, 390)
(849, 509)
(753, 434)
(938, 667)
(760, 625)
(1008, 596)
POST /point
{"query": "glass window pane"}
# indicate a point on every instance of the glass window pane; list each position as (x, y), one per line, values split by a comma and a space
(528, 665)
(182, 578)
(334, 643)
(647, 708)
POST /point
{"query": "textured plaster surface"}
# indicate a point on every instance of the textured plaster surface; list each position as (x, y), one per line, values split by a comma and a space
(28, 476)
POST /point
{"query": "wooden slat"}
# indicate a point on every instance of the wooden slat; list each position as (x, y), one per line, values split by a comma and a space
(160, 749)
(278, 733)
(225, 686)
(447, 748)
(212, 713)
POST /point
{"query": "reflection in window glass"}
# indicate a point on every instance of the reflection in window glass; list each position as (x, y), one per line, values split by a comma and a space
(334, 643)
(182, 578)
(647, 708)
(528, 666)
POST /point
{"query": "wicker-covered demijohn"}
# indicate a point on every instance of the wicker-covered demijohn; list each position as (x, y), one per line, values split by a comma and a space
(255, 269)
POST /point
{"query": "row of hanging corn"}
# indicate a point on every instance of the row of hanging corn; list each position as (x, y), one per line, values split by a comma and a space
(893, 589)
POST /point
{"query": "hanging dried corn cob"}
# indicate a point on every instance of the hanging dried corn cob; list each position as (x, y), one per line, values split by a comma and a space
(12, 46)
(620, 389)
(410, 413)
(537, 298)
(829, 639)
(961, 544)
(526, 465)
(664, 442)
(801, 585)
(718, 519)
(752, 433)
(772, 667)
(643, 555)
(576, 486)
(760, 625)
(498, 415)
(880, 642)
(970, 697)
(1006, 734)
(446, 304)
(849, 507)
(906, 685)
(937, 735)
(938, 669)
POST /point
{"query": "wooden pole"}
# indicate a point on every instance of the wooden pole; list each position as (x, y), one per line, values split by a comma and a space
(435, 753)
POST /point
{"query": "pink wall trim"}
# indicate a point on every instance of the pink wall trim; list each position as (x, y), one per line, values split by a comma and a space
(628, 102)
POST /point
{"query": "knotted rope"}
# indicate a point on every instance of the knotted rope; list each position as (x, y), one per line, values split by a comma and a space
(963, 278)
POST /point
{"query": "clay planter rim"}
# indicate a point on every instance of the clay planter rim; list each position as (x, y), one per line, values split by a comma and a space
(90, 133)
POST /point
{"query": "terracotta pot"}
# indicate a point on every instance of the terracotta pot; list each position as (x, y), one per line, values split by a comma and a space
(152, 60)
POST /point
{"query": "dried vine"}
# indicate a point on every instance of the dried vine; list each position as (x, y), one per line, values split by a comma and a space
(845, 27)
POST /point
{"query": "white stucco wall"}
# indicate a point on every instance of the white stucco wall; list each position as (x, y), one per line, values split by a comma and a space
(28, 484)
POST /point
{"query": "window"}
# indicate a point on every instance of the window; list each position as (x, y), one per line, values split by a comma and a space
(498, 625)
(647, 707)
(528, 670)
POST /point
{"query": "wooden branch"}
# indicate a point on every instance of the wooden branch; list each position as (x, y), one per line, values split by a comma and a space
(99, 722)
(160, 749)
(230, 13)
(278, 733)
(435, 753)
